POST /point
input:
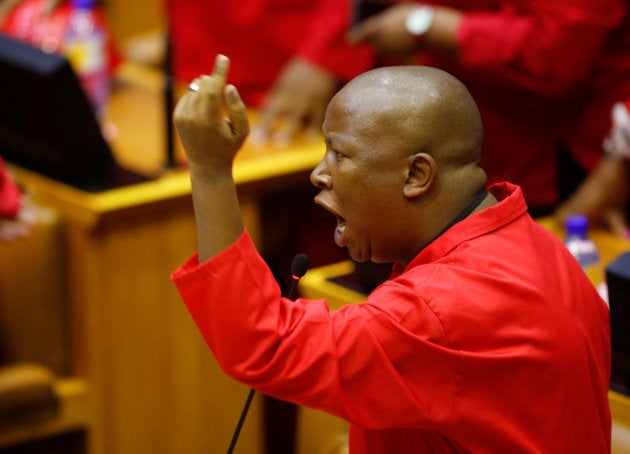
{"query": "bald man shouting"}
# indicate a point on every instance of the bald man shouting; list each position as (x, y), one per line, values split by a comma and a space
(487, 338)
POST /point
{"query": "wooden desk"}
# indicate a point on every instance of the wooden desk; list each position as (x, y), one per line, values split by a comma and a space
(317, 284)
(153, 384)
(136, 111)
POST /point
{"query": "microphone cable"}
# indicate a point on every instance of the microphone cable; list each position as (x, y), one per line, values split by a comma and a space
(299, 266)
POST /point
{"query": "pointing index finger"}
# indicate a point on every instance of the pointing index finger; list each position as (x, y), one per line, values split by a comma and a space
(221, 67)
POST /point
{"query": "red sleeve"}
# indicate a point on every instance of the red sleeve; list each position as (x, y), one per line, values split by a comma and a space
(9, 194)
(548, 47)
(301, 352)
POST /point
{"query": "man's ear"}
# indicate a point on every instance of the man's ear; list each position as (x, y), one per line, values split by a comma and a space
(422, 169)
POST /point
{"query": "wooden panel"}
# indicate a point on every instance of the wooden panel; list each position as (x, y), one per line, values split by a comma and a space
(34, 296)
(150, 370)
(73, 416)
(154, 385)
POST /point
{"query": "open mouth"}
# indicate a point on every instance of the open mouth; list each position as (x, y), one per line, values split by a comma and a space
(339, 231)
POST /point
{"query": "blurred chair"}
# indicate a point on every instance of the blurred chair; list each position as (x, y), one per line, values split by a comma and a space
(39, 398)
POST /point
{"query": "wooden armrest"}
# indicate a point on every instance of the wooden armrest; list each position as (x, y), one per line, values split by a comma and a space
(73, 414)
(26, 394)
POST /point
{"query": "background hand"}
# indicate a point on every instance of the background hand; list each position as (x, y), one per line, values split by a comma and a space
(602, 197)
(387, 32)
(296, 103)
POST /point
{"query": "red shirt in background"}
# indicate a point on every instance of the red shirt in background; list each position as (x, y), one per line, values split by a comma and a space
(541, 72)
(530, 65)
(609, 83)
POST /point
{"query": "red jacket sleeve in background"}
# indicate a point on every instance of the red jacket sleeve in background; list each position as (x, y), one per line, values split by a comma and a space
(326, 44)
(546, 47)
(541, 72)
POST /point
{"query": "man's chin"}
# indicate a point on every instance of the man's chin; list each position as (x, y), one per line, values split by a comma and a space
(359, 256)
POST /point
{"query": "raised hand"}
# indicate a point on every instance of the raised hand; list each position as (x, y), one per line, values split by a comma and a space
(212, 122)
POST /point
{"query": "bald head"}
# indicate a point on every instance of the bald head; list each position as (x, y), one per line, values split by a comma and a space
(402, 152)
(426, 108)
(402, 159)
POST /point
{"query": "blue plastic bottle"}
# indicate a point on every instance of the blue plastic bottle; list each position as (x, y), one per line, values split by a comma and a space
(85, 46)
(583, 248)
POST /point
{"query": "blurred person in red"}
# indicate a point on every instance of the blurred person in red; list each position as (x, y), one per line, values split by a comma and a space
(43, 24)
(38, 22)
(603, 194)
(527, 64)
(268, 40)
(531, 66)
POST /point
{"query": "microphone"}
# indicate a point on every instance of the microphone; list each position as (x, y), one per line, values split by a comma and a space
(299, 266)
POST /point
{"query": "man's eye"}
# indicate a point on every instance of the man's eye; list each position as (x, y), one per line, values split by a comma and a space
(334, 154)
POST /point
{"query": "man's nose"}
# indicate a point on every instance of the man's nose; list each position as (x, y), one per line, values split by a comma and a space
(320, 177)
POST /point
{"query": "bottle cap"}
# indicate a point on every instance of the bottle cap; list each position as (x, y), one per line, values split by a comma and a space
(82, 3)
(577, 224)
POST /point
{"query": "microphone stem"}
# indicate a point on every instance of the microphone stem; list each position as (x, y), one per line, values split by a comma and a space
(252, 391)
(294, 283)
(296, 277)
(241, 420)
